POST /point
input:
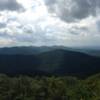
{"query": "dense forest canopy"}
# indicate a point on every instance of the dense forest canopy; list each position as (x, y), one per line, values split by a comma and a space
(49, 88)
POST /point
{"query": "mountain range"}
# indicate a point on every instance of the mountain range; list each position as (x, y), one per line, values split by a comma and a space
(55, 60)
(37, 50)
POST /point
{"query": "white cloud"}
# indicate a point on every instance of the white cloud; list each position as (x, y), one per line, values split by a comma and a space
(37, 26)
(5, 42)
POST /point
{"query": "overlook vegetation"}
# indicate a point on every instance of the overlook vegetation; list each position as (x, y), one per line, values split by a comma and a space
(49, 88)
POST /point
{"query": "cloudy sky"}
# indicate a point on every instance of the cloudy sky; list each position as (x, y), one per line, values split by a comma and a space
(49, 22)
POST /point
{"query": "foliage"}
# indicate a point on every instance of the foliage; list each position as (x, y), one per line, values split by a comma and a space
(49, 88)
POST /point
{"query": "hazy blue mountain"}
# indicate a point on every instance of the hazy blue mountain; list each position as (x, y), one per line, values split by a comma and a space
(37, 50)
(93, 52)
(25, 50)
(69, 62)
(21, 50)
(54, 62)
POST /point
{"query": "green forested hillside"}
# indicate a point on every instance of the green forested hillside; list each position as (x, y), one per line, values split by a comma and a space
(49, 88)
(57, 62)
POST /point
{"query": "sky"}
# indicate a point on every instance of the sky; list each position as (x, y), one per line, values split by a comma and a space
(49, 22)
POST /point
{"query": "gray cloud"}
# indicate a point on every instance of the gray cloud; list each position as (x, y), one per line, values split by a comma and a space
(73, 10)
(2, 25)
(98, 25)
(10, 5)
(14, 30)
(76, 30)
(50, 2)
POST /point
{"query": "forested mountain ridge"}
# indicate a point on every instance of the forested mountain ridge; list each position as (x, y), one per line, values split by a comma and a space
(55, 62)
(32, 50)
